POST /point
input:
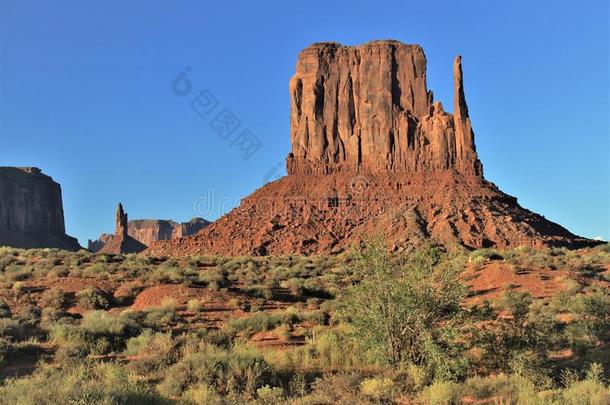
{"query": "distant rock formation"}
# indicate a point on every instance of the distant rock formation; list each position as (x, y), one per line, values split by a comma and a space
(31, 210)
(373, 154)
(148, 231)
(121, 242)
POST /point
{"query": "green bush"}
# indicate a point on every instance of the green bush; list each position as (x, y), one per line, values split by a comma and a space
(81, 384)
(159, 317)
(153, 351)
(241, 370)
(5, 310)
(194, 306)
(102, 323)
(442, 393)
(270, 396)
(260, 322)
(92, 298)
(409, 311)
(11, 328)
(53, 298)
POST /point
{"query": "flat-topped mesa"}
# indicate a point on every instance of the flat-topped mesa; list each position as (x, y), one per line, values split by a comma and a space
(367, 109)
(31, 210)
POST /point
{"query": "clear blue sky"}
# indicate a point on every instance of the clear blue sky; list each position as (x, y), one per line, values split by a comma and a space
(85, 95)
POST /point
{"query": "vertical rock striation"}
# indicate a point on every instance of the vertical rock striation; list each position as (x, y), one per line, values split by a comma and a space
(31, 210)
(367, 109)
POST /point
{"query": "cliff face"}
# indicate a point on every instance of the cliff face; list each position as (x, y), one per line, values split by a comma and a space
(373, 154)
(148, 231)
(367, 109)
(31, 210)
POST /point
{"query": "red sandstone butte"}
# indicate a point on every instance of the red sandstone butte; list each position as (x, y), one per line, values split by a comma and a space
(372, 153)
(31, 210)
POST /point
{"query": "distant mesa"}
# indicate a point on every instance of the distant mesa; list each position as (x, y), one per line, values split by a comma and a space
(31, 210)
(136, 235)
(372, 153)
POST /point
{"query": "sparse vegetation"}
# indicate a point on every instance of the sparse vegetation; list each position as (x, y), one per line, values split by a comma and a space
(369, 327)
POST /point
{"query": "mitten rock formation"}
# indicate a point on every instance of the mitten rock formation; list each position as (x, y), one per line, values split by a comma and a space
(31, 210)
(373, 154)
(367, 109)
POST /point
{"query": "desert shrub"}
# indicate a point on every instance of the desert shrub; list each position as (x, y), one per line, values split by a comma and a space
(71, 339)
(87, 383)
(18, 288)
(442, 393)
(28, 316)
(53, 298)
(194, 305)
(523, 389)
(16, 272)
(261, 321)
(378, 388)
(336, 388)
(126, 293)
(214, 279)
(239, 370)
(520, 341)
(5, 310)
(282, 332)
(217, 337)
(328, 347)
(487, 254)
(11, 328)
(270, 395)
(202, 394)
(93, 298)
(594, 316)
(158, 317)
(258, 322)
(259, 291)
(50, 314)
(590, 390)
(296, 286)
(104, 323)
(408, 311)
(153, 351)
(324, 350)
(7, 260)
(107, 332)
(6, 347)
(59, 271)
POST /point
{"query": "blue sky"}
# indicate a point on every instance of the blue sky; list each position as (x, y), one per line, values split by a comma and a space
(85, 94)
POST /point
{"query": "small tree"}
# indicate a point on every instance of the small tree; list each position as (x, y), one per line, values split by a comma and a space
(408, 310)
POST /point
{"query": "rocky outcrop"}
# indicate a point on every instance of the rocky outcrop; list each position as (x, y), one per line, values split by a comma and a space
(31, 210)
(121, 242)
(367, 109)
(373, 154)
(148, 231)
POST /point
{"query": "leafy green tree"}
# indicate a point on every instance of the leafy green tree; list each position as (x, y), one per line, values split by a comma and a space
(408, 310)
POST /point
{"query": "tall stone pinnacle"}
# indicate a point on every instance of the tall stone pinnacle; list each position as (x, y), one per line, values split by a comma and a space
(121, 222)
(464, 136)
